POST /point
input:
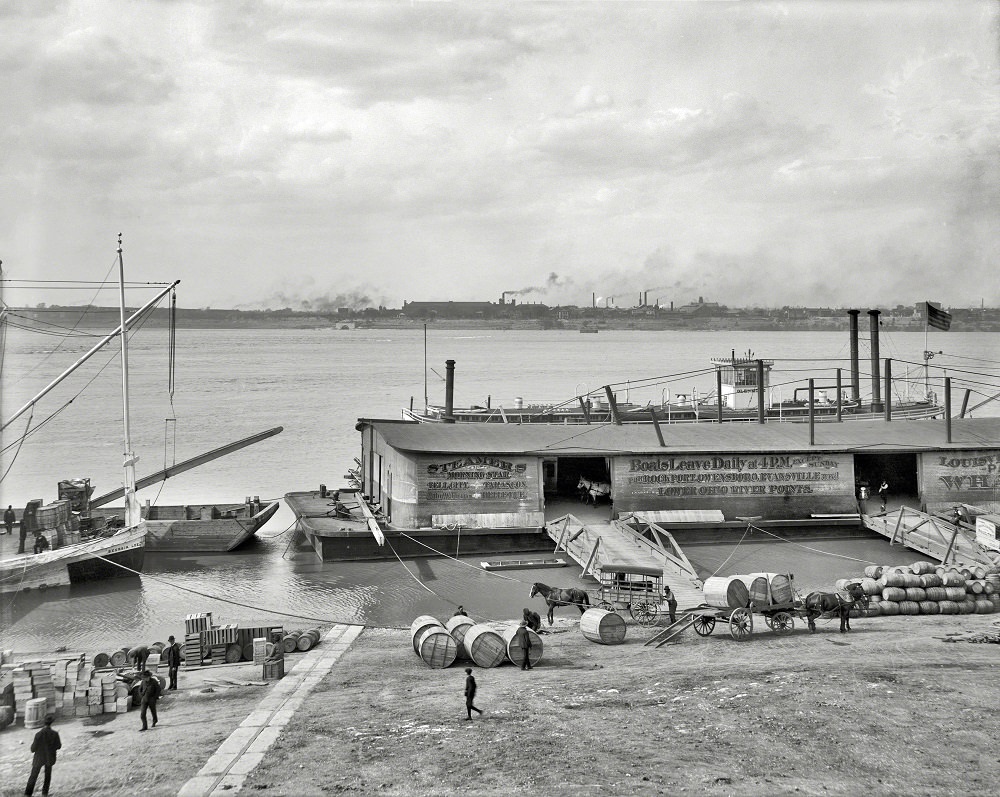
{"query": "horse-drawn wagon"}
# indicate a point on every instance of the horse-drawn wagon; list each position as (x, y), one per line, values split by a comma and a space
(634, 587)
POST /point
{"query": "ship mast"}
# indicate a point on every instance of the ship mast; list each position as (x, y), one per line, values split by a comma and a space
(132, 513)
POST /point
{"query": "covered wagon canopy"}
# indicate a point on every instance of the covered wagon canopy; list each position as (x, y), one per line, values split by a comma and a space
(638, 570)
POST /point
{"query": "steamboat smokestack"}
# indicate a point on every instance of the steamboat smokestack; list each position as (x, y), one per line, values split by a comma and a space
(855, 366)
(449, 391)
(876, 393)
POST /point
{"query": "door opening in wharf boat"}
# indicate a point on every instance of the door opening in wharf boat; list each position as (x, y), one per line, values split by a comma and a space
(743, 392)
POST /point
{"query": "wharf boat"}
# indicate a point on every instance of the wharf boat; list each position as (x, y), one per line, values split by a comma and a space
(523, 564)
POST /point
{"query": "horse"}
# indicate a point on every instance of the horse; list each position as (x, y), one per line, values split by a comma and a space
(833, 603)
(590, 490)
(560, 596)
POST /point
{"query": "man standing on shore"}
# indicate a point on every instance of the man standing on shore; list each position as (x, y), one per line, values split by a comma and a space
(173, 652)
(149, 691)
(470, 693)
(523, 638)
(671, 604)
(44, 747)
(8, 519)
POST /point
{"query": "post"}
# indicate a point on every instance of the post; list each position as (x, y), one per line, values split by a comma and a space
(888, 389)
(760, 391)
(449, 391)
(585, 408)
(812, 414)
(840, 404)
(656, 426)
(718, 389)
(613, 404)
(855, 368)
(947, 407)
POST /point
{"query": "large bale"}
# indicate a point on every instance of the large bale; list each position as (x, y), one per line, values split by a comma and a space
(423, 622)
(894, 594)
(726, 592)
(436, 647)
(514, 651)
(484, 646)
(457, 626)
(931, 580)
(602, 626)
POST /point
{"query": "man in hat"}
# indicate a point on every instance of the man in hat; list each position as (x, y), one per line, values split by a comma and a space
(523, 638)
(138, 656)
(173, 651)
(9, 518)
(671, 604)
(44, 747)
(460, 612)
(470, 693)
(149, 692)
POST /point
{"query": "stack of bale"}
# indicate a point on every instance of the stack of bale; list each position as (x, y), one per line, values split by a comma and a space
(926, 588)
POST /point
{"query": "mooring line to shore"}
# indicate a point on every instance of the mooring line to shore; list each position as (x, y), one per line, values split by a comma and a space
(227, 769)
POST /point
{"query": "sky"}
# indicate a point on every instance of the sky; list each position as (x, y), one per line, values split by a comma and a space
(314, 155)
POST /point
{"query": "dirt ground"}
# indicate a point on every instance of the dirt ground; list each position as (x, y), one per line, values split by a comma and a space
(892, 708)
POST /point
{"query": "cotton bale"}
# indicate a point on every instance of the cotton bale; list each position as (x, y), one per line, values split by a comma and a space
(602, 626)
(909, 607)
(984, 606)
(423, 622)
(436, 647)
(726, 592)
(931, 580)
(515, 653)
(916, 594)
(484, 646)
(888, 608)
(929, 607)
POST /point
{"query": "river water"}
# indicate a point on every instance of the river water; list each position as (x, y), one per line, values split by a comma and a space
(230, 384)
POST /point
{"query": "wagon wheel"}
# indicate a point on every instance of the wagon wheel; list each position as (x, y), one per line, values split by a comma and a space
(607, 606)
(782, 623)
(643, 612)
(741, 624)
(704, 624)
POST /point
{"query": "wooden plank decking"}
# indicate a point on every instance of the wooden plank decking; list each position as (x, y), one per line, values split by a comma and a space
(932, 536)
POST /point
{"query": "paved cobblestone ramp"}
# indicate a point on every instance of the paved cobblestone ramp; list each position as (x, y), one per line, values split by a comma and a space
(227, 769)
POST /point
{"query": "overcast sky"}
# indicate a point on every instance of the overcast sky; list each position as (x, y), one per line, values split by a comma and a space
(269, 154)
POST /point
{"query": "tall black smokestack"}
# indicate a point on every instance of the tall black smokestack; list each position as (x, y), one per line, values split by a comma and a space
(449, 391)
(855, 366)
(876, 391)
(593, 299)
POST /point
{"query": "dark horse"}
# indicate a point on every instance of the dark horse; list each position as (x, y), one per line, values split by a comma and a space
(833, 603)
(561, 596)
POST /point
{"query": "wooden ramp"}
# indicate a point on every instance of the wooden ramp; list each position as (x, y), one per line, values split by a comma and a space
(932, 535)
(594, 545)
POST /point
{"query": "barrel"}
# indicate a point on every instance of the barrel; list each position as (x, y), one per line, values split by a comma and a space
(966, 607)
(514, 651)
(911, 580)
(484, 646)
(894, 594)
(931, 580)
(888, 608)
(119, 658)
(994, 579)
(234, 652)
(437, 647)
(920, 568)
(948, 607)
(101, 660)
(893, 579)
(157, 647)
(929, 607)
(34, 712)
(290, 641)
(726, 592)
(602, 626)
(984, 606)
(909, 607)
(781, 588)
(979, 572)
(916, 594)
(6, 716)
(936, 593)
(955, 593)
(975, 587)
(952, 578)
(418, 625)
(874, 571)
(308, 640)
(457, 626)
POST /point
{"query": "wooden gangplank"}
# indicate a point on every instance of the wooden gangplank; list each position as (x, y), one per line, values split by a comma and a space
(684, 621)
(931, 535)
(592, 545)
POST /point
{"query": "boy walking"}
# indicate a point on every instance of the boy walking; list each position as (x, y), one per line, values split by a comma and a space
(470, 693)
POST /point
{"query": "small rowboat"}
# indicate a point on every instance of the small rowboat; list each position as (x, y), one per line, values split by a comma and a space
(522, 564)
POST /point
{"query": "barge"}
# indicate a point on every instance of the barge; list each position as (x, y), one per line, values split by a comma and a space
(489, 488)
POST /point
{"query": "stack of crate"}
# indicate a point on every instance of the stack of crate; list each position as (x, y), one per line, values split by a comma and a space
(194, 626)
(32, 680)
(218, 639)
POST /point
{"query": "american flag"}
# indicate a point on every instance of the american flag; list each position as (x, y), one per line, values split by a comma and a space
(936, 318)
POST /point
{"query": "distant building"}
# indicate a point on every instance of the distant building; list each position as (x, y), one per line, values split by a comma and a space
(449, 309)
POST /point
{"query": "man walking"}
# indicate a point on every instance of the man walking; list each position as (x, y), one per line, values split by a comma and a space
(173, 652)
(44, 747)
(470, 693)
(8, 519)
(149, 691)
(883, 491)
(523, 638)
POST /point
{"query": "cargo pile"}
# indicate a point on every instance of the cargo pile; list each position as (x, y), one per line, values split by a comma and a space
(56, 522)
(926, 588)
(439, 644)
(67, 688)
(206, 643)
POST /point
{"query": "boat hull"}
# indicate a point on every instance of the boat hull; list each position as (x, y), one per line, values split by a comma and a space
(211, 535)
(117, 556)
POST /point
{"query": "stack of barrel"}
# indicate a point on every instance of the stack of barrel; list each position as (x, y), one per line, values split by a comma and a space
(439, 644)
(926, 588)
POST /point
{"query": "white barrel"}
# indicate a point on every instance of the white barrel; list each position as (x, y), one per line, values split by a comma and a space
(34, 712)
(514, 651)
(419, 625)
(602, 626)
(437, 647)
(457, 626)
(726, 592)
(484, 646)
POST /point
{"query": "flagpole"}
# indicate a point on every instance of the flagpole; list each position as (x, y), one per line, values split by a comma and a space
(927, 315)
